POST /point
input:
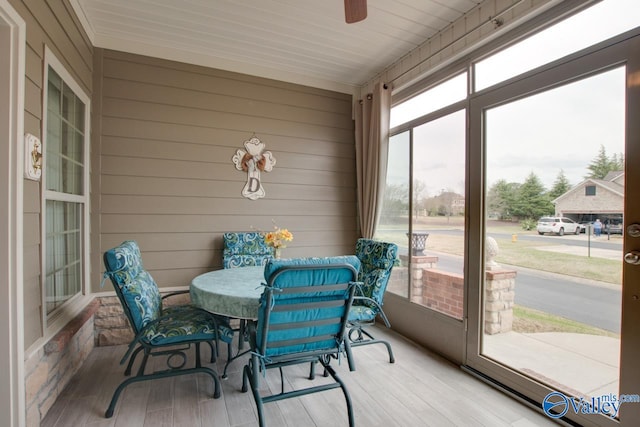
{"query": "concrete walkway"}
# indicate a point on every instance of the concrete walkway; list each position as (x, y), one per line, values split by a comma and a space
(580, 364)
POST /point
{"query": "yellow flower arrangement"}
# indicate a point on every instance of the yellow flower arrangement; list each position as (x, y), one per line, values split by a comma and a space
(278, 237)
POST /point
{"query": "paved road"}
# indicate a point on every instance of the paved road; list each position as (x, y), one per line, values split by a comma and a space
(592, 304)
(588, 302)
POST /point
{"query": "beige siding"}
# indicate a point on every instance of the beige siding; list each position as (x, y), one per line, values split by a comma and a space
(168, 133)
(605, 201)
(50, 23)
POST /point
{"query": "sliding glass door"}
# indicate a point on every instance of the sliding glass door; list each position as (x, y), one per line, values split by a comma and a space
(554, 311)
(534, 251)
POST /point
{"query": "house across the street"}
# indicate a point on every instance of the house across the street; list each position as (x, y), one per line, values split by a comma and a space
(594, 198)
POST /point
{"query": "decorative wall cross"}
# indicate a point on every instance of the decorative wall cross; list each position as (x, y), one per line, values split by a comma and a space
(252, 161)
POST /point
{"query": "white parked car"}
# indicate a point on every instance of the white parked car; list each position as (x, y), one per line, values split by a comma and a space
(557, 225)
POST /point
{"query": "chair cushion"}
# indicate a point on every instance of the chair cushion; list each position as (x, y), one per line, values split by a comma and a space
(234, 261)
(242, 249)
(245, 243)
(310, 276)
(377, 260)
(295, 279)
(361, 314)
(179, 324)
(138, 291)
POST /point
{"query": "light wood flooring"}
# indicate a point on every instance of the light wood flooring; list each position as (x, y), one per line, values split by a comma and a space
(420, 389)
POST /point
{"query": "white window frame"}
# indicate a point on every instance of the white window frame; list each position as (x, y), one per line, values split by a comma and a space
(62, 315)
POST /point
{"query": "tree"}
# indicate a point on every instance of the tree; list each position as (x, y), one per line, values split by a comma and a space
(419, 188)
(617, 161)
(532, 201)
(601, 165)
(395, 201)
(501, 198)
(560, 186)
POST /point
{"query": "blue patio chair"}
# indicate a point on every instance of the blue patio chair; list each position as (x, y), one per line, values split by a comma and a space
(377, 260)
(302, 319)
(243, 249)
(159, 331)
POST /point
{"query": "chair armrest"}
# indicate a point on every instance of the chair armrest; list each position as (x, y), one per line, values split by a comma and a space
(171, 294)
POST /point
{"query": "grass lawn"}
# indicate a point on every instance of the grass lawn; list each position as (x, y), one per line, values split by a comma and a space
(528, 320)
(521, 253)
(525, 254)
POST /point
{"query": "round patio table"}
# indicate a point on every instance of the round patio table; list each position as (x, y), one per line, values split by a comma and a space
(232, 292)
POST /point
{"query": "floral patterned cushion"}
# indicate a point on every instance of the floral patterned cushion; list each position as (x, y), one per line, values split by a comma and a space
(181, 324)
(245, 249)
(142, 302)
(377, 259)
(362, 314)
(137, 289)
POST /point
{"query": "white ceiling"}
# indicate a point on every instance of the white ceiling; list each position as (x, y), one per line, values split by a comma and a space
(300, 41)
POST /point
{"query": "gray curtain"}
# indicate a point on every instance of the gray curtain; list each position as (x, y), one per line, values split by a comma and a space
(372, 141)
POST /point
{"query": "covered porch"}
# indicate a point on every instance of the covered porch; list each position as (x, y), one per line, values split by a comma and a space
(420, 389)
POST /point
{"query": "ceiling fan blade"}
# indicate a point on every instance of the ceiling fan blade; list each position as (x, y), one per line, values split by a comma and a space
(355, 10)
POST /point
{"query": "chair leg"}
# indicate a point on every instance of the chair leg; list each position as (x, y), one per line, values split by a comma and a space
(359, 341)
(350, 360)
(132, 359)
(164, 374)
(312, 370)
(252, 376)
(140, 376)
(214, 351)
(347, 397)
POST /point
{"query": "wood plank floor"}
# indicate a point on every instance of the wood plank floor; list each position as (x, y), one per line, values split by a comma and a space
(420, 389)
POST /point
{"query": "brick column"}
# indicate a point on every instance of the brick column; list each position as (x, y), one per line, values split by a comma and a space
(417, 264)
(499, 296)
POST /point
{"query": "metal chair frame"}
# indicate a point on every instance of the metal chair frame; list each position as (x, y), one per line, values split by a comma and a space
(316, 346)
(175, 351)
(358, 335)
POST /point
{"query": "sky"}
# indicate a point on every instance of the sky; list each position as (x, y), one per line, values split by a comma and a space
(558, 130)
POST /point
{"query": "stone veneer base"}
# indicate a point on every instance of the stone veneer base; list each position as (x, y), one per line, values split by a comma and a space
(49, 370)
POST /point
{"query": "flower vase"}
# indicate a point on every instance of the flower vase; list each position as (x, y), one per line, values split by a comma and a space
(276, 253)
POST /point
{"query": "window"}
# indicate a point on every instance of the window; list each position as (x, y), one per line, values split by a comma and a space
(66, 187)
(590, 190)
(426, 191)
(424, 200)
(439, 96)
(568, 36)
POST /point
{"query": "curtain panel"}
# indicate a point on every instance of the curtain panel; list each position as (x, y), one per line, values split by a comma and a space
(372, 143)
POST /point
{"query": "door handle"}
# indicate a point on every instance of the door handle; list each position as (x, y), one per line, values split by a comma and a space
(632, 257)
(633, 230)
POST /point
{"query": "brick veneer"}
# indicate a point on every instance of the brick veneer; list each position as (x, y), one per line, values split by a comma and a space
(49, 369)
(443, 292)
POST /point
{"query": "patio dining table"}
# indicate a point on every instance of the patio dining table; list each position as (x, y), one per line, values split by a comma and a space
(232, 292)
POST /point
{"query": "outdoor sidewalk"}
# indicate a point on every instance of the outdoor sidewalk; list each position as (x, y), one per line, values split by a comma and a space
(579, 364)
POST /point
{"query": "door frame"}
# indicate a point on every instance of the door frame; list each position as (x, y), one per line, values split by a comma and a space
(12, 78)
(591, 61)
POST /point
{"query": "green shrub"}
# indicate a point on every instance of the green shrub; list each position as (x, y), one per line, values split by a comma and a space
(528, 224)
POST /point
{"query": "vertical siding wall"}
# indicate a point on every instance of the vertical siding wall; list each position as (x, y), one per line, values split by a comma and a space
(165, 140)
(50, 23)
